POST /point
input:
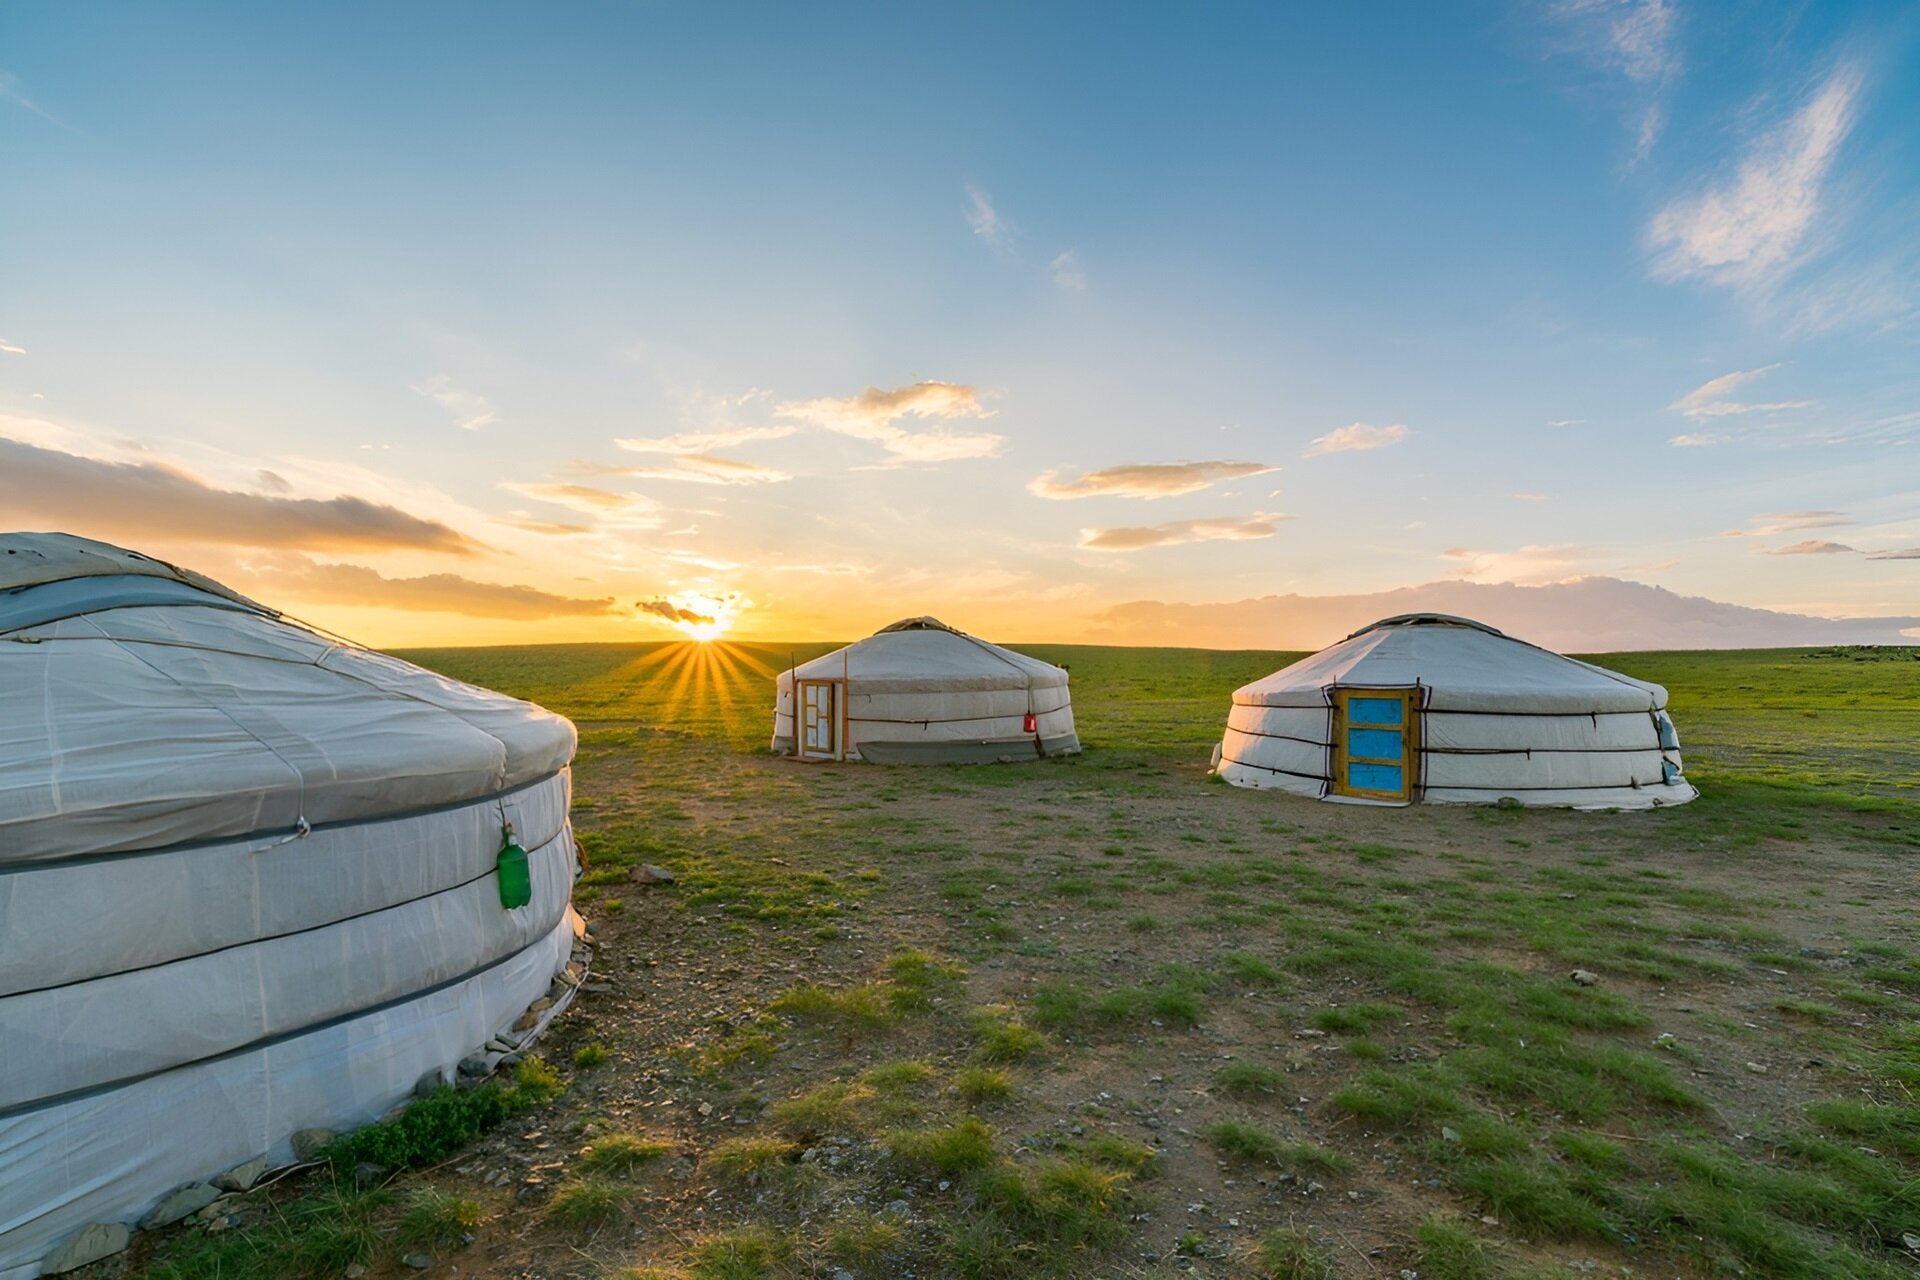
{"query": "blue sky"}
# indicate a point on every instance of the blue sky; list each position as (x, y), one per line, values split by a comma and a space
(887, 302)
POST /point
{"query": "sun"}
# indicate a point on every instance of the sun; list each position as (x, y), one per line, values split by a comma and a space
(702, 615)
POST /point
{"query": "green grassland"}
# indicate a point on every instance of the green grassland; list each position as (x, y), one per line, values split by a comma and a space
(1102, 1016)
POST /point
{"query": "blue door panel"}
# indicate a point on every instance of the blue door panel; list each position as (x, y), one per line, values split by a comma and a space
(1374, 744)
(1373, 710)
(1374, 777)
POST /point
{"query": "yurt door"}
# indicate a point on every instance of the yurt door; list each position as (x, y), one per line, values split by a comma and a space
(1375, 755)
(819, 720)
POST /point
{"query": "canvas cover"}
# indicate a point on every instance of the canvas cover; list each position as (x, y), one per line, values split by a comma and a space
(247, 882)
(1497, 719)
(919, 691)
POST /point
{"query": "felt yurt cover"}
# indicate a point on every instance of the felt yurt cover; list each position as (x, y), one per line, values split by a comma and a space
(1437, 708)
(921, 692)
(253, 880)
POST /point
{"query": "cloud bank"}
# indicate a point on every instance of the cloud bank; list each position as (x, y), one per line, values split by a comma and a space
(139, 500)
(1590, 615)
(352, 584)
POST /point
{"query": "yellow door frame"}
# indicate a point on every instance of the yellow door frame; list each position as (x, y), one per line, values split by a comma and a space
(833, 715)
(1408, 760)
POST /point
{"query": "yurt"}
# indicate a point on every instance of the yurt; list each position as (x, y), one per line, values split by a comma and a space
(920, 692)
(254, 882)
(1427, 707)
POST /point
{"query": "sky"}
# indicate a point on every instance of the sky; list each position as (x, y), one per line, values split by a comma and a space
(466, 323)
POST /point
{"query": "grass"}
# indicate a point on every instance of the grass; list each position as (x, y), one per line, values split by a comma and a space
(932, 937)
(1249, 1079)
(584, 1204)
(750, 1162)
(435, 1218)
(1287, 1254)
(965, 1146)
(622, 1154)
(1245, 1141)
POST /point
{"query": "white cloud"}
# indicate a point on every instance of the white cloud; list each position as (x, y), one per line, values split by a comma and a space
(691, 442)
(1355, 436)
(985, 219)
(470, 410)
(701, 468)
(1700, 440)
(1145, 480)
(1531, 563)
(1753, 226)
(1772, 522)
(1067, 272)
(8, 348)
(619, 510)
(1895, 553)
(11, 91)
(1812, 547)
(1637, 40)
(1637, 37)
(871, 415)
(1565, 422)
(1176, 532)
(1708, 399)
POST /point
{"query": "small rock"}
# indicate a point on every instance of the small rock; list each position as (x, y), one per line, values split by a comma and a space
(355, 1270)
(1910, 1240)
(307, 1143)
(1757, 1068)
(1314, 1188)
(647, 873)
(178, 1204)
(242, 1177)
(432, 1082)
(418, 1261)
(598, 988)
(93, 1242)
(1449, 1133)
(472, 1065)
(526, 1021)
(1309, 1033)
(1584, 977)
(368, 1176)
(899, 1208)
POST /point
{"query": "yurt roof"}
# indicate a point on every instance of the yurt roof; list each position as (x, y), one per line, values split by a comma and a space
(1466, 665)
(29, 560)
(926, 654)
(190, 714)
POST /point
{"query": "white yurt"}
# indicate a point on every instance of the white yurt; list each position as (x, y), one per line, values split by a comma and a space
(920, 692)
(1427, 707)
(253, 881)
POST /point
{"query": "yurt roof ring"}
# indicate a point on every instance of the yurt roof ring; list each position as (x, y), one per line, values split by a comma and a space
(1428, 620)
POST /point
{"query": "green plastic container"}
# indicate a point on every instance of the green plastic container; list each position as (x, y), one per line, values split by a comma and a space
(516, 882)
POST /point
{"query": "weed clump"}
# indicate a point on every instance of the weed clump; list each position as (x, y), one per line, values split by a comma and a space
(622, 1153)
(444, 1121)
(1002, 1037)
(588, 1203)
(1287, 1254)
(965, 1146)
(1250, 1142)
